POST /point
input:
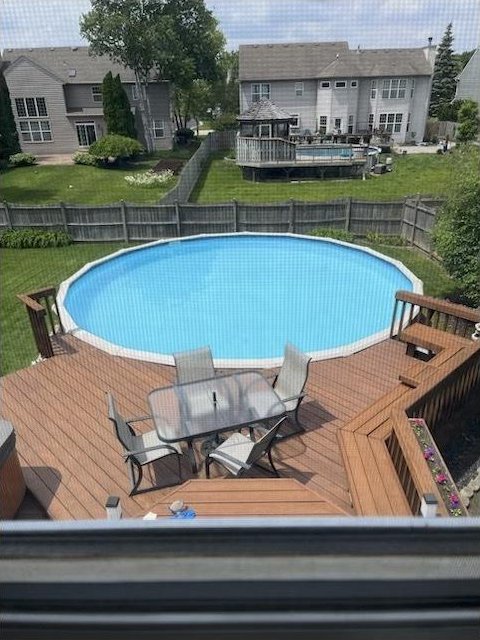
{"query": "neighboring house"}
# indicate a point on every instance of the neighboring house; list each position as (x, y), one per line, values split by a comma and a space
(329, 88)
(468, 82)
(56, 98)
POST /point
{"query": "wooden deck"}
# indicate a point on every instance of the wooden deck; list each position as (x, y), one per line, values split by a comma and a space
(72, 460)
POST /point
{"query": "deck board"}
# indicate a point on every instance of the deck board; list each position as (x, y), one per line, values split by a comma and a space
(74, 461)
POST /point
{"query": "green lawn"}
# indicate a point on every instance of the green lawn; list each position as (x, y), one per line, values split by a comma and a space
(45, 184)
(29, 269)
(427, 174)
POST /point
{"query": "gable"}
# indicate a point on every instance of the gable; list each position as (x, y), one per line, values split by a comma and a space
(22, 62)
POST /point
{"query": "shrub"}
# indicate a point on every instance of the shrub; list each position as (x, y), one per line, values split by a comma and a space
(33, 238)
(113, 147)
(150, 178)
(22, 159)
(83, 157)
(468, 121)
(457, 228)
(382, 238)
(184, 136)
(335, 234)
(225, 121)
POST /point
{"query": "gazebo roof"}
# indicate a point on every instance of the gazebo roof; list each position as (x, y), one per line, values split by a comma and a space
(264, 111)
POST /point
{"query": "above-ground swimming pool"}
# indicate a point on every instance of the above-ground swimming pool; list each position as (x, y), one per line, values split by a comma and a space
(244, 295)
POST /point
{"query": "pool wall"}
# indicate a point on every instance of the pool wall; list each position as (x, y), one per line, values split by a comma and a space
(71, 327)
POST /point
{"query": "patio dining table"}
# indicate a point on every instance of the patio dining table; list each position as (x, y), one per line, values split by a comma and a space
(185, 412)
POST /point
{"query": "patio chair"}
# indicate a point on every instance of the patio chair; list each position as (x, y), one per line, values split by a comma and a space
(139, 449)
(240, 453)
(289, 384)
(194, 365)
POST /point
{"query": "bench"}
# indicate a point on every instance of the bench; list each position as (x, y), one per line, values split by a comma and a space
(433, 340)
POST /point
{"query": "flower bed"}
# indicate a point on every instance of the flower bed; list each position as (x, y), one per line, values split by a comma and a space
(150, 179)
(438, 468)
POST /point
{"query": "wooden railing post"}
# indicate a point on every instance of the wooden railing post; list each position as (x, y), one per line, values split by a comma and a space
(415, 219)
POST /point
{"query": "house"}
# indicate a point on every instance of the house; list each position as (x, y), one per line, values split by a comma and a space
(56, 98)
(328, 88)
(468, 81)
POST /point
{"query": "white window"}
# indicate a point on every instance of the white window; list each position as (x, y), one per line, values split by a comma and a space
(350, 124)
(391, 122)
(134, 92)
(337, 123)
(340, 84)
(299, 88)
(260, 90)
(371, 121)
(35, 131)
(394, 88)
(373, 89)
(264, 130)
(412, 88)
(158, 129)
(295, 124)
(322, 124)
(325, 84)
(354, 84)
(31, 107)
(97, 93)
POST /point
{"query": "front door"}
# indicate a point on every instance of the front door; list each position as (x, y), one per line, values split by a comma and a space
(86, 133)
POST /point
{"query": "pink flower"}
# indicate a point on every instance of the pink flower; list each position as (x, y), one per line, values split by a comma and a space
(429, 453)
(454, 500)
(441, 478)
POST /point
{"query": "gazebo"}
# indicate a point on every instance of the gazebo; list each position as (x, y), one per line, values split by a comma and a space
(264, 119)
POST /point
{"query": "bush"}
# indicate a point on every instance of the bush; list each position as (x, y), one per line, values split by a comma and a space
(113, 147)
(468, 121)
(225, 121)
(83, 157)
(22, 159)
(382, 238)
(457, 228)
(184, 136)
(150, 179)
(335, 234)
(33, 238)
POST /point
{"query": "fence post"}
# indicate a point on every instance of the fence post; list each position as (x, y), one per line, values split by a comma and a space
(291, 226)
(235, 215)
(348, 213)
(64, 216)
(124, 220)
(7, 215)
(415, 219)
(177, 219)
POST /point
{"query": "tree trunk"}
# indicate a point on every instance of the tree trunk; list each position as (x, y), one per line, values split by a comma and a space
(145, 111)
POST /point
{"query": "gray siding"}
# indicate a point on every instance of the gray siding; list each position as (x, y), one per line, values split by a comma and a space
(25, 80)
(79, 96)
(469, 80)
(159, 95)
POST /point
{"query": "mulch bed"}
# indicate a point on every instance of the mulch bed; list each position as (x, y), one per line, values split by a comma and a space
(175, 164)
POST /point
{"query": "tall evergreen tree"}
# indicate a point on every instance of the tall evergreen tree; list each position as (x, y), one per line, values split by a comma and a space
(444, 73)
(116, 108)
(9, 143)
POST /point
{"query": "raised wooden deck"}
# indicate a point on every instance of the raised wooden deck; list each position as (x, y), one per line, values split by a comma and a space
(72, 460)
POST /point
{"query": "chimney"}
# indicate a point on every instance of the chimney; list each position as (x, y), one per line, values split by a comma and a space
(358, 49)
(430, 52)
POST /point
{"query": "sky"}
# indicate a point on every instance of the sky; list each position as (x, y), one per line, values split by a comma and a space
(368, 23)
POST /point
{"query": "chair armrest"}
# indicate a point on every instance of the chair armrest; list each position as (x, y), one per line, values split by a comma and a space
(231, 458)
(299, 397)
(137, 452)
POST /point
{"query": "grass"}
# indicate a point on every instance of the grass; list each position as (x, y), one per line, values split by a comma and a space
(25, 270)
(222, 181)
(78, 184)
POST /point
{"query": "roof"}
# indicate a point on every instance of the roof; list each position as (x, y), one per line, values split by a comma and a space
(62, 61)
(264, 110)
(305, 61)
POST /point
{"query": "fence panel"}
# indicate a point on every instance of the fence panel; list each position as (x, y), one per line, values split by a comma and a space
(215, 218)
(310, 215)
(264, 218)
(45, 216)
(150, 222)
(378, 217)
(91, 223)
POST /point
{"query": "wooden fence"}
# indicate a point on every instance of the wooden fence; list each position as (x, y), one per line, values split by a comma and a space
(191, 172)
(146, 222)
(418, 222)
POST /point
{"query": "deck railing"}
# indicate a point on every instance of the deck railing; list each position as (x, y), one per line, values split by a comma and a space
(264, 150)
(438, 314)
(41, 306)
